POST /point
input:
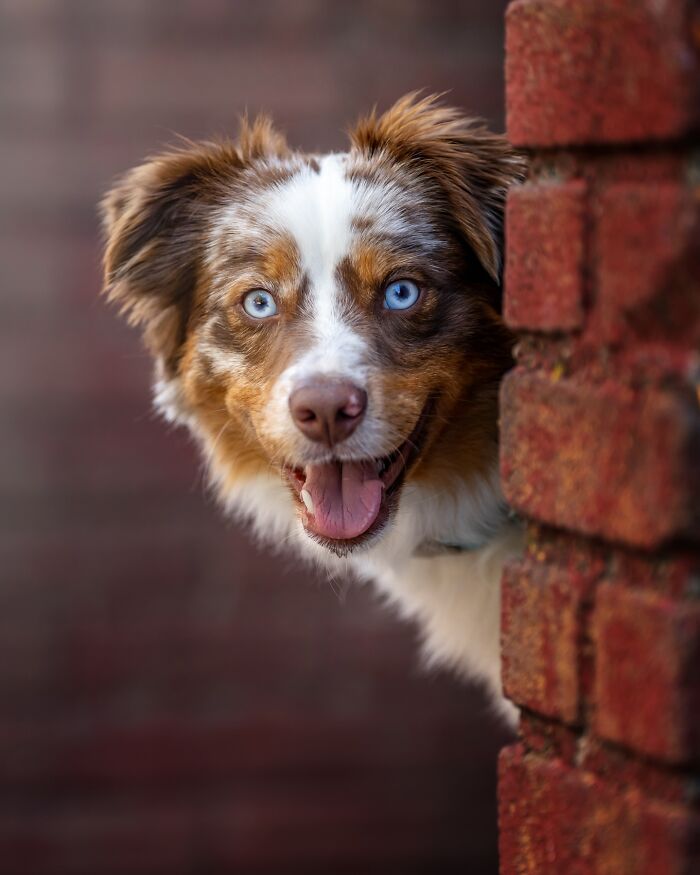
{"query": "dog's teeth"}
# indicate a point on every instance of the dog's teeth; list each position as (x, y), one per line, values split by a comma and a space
(308, 500)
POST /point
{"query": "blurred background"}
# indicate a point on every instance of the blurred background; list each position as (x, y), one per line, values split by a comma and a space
(174, 699)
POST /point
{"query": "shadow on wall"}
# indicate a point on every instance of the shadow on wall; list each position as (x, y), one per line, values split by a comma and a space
(174, 699)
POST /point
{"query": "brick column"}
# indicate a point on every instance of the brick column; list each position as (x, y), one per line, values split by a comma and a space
(601, 440)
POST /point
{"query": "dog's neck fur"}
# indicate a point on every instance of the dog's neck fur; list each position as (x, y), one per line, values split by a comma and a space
(452, 595)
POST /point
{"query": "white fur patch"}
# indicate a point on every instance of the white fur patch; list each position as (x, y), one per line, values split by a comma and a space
(167, 398)
(455, 598)
(316, 209)
(221, 360)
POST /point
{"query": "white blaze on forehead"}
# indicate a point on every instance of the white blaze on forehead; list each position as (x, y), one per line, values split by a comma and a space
(316, 208)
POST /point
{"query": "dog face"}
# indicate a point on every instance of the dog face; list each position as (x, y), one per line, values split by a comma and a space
(330, 319)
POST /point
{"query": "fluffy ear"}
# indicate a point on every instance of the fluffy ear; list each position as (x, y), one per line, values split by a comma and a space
(153, 221)
(469, 168)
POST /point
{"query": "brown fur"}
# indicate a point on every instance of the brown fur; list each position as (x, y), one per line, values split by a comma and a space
(154, 221)
(469, 167)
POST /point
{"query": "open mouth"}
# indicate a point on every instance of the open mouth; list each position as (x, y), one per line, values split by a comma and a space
(343, 504)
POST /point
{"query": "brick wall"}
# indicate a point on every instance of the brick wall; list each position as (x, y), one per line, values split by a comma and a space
(601, 440)
(174, 699)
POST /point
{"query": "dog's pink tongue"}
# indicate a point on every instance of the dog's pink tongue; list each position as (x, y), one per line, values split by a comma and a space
(347, 497)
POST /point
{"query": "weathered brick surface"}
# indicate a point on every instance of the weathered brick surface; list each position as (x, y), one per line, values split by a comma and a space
(648, 263)
(543, 621)
(600, 445)
(604, 461)
(597, 71)
(647, 672)
(560, 820)
(545, 229)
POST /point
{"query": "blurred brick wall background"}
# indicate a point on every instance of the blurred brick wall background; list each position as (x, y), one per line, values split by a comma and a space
(173, 699)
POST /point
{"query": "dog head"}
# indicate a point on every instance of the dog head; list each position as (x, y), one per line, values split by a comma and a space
(331, 321)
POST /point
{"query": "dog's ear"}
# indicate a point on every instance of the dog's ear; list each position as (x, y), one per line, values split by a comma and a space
(154, 219)
(468, 167)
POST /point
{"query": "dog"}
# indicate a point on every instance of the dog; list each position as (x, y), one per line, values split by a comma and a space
(327, 327)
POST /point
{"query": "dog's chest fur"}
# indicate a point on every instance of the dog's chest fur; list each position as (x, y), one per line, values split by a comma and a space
(439, 567)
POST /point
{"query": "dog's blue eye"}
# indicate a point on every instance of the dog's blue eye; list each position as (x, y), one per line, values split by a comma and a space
(259, 304)
(401, 294)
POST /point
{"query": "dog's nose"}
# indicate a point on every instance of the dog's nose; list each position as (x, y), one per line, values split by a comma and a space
(327, 411)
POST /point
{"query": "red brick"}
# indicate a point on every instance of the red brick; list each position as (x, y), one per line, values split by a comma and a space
(602, 460)
(587, 71)
(647, 674)
(555, 820)
(623, 767)
(647, 263)
(545, 226)
(543, 611)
